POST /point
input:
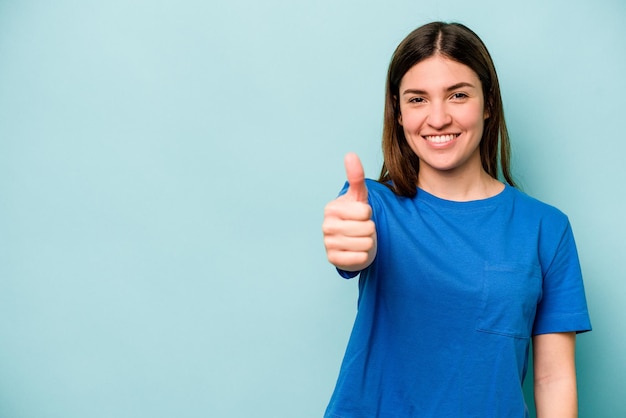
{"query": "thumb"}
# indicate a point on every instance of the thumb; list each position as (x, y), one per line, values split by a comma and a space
(357, 189)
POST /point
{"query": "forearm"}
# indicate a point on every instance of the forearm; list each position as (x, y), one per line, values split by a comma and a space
(556, 398)
(555, 375)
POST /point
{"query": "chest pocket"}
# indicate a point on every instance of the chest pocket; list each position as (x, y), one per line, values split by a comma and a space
(509, 300)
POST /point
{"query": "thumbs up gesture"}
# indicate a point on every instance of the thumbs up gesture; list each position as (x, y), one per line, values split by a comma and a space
(349, 232)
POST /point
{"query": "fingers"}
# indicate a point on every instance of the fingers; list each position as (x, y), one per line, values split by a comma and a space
(333, 226)
(349, 260)
(350, 246)
(357, 189)
(343, 208)
(353, 244)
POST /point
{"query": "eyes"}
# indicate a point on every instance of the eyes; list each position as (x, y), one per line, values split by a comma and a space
(454, 97)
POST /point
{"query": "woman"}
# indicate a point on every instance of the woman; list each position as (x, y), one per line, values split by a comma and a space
(457, 270)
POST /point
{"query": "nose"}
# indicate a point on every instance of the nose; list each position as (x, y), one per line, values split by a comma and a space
(439, 116)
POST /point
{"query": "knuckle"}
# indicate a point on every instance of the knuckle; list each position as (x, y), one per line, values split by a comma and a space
(364, 211)
(330, 226)
(333, 258)
(332, 207)
(326, 227)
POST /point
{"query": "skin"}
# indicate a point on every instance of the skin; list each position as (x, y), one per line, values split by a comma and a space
(555, 375)
(442, 113)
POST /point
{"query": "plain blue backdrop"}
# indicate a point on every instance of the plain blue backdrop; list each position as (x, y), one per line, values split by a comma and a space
(164, 167)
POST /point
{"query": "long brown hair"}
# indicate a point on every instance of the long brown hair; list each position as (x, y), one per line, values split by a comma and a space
(458, 43)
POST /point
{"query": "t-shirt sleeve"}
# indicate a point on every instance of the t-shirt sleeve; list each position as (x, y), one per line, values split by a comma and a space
(563, 306)
(347, 274)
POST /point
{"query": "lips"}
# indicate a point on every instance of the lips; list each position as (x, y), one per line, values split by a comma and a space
(440, 139)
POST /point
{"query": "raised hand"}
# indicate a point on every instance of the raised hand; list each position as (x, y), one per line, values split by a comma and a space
(349, 232)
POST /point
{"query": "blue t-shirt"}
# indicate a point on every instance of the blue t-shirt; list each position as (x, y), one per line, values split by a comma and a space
(447, 308)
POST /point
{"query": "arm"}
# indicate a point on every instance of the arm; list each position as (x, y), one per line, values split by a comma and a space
(555, 375)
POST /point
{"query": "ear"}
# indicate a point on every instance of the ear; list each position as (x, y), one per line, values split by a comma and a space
(487, 113)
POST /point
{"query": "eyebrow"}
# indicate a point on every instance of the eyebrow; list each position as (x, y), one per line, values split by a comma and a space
(448, 89)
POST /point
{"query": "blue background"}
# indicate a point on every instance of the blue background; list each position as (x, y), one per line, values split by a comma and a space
(164, 167)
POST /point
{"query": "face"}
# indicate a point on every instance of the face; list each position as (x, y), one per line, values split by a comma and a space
(442, 113)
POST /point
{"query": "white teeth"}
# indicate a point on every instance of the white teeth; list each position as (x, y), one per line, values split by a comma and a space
(439, 139)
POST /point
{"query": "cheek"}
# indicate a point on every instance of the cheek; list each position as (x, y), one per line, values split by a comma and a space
(410, 121)
(474, 118)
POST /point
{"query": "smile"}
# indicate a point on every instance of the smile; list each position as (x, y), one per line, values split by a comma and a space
(440, 139)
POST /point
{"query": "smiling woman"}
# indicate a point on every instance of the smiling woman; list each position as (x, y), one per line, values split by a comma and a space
(465, 60)
(457, 270)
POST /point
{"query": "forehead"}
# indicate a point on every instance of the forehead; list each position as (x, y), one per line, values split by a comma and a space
(438, 72)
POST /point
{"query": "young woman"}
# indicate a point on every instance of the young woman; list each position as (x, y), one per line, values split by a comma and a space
(457, 270)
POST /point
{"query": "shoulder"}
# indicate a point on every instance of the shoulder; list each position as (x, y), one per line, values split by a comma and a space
(377, 187)
(534, 206)
(530, 213)
(381, 196)
(377, 192)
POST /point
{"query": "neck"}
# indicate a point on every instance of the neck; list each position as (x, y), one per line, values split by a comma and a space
(460, 187)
